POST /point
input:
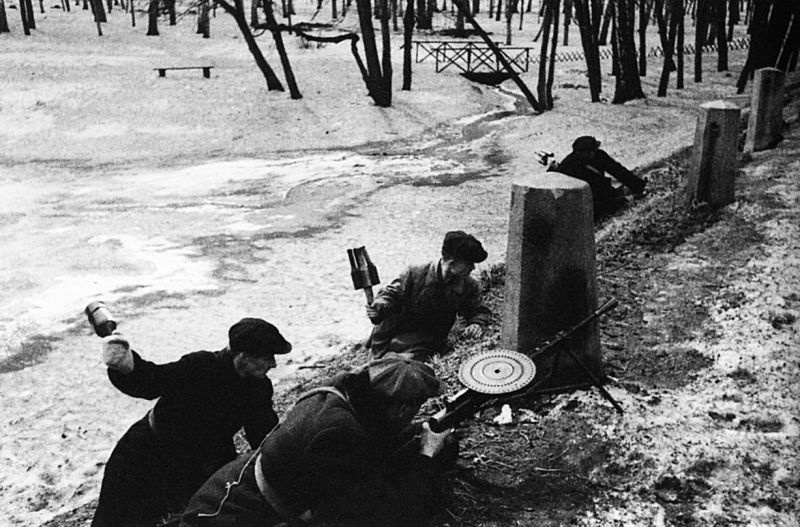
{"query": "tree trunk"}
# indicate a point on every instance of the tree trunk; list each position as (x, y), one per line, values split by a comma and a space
(423, 22)
(663, 30)
(152, 19)
(24, 17)
(203, 25)
(791, 45)
(722, 41)
(460, 30)
(551, 67)
(375, 85)
(679, 45)
(547, 22)
(29, 13)
(278, 38)
(510, 7)
(644, 16)
(733, 17)
(254, 12)
(758, 36)
(237, 12)
(99, 11)
(628, 84)
(3, 19)
(386, 62)
(608, 15)
(669, 49)
(567, 20)
(701, 23)
(591, 51)
(408, 33)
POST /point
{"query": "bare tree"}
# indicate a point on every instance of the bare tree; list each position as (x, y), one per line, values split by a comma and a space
(548, 50)
(722, 42)
(278, 38)
(628, 83)
(152, 19)
(591, 50)
(408, 33)
(29, 13)
(379, 78)
(3, 19)
(700, 34)
(644, 18)
(669, 49)
(236, 10)
(203, 22)
(26, 29)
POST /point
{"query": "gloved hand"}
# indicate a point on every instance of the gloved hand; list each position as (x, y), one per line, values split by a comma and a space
(117, 353)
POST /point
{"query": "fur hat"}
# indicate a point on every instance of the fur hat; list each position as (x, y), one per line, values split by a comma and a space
(585, 143)
(257, 337)
(463, 246)
(403, 379)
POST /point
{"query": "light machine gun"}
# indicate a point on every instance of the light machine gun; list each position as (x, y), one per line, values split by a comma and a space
(494, 377)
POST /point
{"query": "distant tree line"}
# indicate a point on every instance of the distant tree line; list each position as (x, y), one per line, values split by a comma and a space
(773, 27)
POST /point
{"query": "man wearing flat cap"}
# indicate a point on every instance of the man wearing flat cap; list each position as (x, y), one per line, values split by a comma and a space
(337, 458)
(589, 163)
(413, 315)
(204, 398)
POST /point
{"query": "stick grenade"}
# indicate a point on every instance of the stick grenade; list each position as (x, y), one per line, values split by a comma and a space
(362, 271)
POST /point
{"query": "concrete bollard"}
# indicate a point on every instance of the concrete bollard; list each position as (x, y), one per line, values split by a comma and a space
(715, 156)
(551, 281)
(765, 122)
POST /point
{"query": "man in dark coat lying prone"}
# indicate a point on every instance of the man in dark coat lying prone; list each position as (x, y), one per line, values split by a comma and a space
(337, 458)
(589, 163)
(204, 398)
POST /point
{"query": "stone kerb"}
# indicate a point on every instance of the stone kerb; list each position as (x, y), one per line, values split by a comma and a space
(715, 155)
(551, 281)
(765, 123)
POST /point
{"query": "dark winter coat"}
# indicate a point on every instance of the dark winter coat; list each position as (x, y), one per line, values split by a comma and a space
(418, 309)
(331, 457)
(165, 457)
(592, 170)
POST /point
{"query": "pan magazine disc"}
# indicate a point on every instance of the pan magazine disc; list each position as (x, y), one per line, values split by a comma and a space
(497, 372)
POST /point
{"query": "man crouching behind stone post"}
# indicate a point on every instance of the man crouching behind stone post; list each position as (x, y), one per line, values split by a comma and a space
(203, 400)
(336, 458)
(414, 314)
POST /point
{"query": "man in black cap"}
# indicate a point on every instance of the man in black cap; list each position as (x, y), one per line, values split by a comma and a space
(204, 398)
(414, 314)
(338, 458)
(589, 163)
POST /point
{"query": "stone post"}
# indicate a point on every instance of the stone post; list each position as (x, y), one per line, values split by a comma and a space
(551, 281)
(766, 110)
(715, 156)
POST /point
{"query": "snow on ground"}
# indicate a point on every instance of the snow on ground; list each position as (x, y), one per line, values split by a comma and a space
(190, 202)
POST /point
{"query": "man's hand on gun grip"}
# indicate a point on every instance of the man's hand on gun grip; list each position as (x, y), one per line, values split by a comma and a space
(374, 312)
(430, 442)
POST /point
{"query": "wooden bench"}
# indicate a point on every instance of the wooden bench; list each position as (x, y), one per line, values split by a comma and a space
(162, 72)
